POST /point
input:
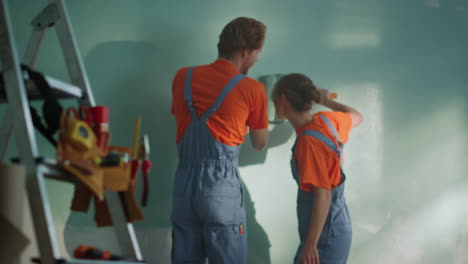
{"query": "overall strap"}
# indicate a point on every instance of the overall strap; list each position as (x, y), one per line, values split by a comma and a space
(188, 93)
(327, 141)
(231, 84)
(332, 129)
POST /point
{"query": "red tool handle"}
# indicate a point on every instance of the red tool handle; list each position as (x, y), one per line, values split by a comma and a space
(146, 166)
(90, 252)
(135, 164)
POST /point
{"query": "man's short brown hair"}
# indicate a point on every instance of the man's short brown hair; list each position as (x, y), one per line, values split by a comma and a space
(239, 34)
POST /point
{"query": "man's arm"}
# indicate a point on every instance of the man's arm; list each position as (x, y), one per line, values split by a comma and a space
(319, 215)
(259, 138)
(335, 106)
(258, 118)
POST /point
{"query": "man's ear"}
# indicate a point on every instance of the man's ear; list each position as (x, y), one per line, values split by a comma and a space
(244, 53)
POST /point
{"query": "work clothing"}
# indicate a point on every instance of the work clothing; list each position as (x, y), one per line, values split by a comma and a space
(335, 239)
(208, 217)
(245, 106)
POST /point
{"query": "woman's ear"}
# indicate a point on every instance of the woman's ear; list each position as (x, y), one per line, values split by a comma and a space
(284, 101)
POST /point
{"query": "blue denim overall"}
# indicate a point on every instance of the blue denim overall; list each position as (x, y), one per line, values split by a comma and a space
(208, 217)
(335, 240)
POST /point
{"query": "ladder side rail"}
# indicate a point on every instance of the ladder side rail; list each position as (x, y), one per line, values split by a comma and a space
(44, 20)
(124, 231)
(46, 234)
(6, 132)
(71, 54)
(25, 138)
(34, 44)
(30, 58)
(15, 88)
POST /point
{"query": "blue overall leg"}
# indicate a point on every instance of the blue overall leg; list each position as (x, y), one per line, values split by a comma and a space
(335, 240)
(208, 217)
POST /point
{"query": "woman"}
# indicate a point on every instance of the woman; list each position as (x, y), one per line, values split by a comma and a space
(324, 222)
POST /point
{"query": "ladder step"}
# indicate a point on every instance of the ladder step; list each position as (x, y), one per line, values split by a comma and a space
(61, 90)
(92, 261)
(85, 261)
(51, 170)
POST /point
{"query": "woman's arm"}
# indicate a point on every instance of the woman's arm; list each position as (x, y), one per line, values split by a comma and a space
(335, 106)
(319, 216)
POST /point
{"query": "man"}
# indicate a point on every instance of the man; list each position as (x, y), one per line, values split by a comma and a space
(214, 105)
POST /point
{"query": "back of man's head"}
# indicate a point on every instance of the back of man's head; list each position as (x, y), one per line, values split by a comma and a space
(239, 34)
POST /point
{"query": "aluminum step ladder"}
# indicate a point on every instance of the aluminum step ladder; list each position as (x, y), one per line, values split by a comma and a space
(18, 91)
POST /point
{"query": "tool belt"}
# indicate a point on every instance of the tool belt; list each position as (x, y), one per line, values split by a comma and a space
(97, 169)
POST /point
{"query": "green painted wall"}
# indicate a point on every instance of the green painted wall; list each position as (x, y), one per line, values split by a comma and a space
(403, 63)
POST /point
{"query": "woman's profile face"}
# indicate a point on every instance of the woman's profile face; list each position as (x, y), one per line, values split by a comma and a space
(279, 107)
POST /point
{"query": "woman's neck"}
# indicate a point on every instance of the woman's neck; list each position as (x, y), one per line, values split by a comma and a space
(299, 120)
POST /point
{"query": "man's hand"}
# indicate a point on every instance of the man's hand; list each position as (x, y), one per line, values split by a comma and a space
(309, 255)
(259, 138)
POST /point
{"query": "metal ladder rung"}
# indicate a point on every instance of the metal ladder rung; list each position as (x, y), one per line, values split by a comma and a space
(64, 88)
(60, 89)
(52, 171)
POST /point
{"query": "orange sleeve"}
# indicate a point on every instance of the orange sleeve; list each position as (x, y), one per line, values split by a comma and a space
(311, 156)
(173, 95)
(178, 88)
(258, 117)
(343, 123)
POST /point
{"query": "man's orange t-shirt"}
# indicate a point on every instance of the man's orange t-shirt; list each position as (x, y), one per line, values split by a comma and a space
(245, 105)
(319, 165)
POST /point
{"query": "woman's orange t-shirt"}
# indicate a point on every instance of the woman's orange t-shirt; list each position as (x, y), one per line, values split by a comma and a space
(318, 165)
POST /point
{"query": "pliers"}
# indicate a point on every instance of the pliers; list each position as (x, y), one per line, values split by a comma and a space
(143, 156)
